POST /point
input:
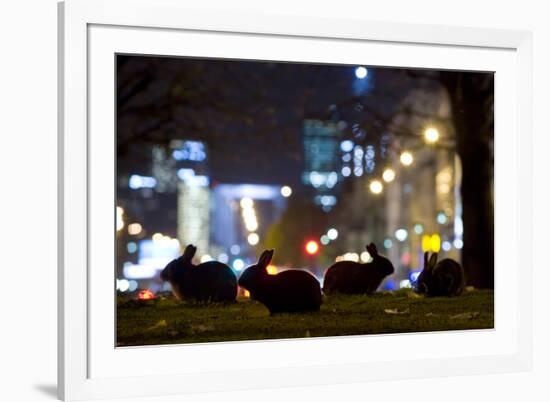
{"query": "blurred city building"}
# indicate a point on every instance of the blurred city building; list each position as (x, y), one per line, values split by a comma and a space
(322, 160)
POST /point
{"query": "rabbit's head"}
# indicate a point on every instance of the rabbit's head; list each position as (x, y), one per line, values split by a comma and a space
(380, 263)
(425, 277)
(256, 273)
(179, 265)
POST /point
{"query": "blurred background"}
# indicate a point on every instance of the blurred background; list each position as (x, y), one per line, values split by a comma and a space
(313, 160)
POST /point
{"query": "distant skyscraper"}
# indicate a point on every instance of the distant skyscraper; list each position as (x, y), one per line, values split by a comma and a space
(322, 159)
(181, 173)
(194, 212)
(167, 161)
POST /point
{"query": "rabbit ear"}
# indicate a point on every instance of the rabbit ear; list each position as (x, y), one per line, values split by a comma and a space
(373, 251)
(426, 265)
(433, 260)
(189, 253)
(265, 258)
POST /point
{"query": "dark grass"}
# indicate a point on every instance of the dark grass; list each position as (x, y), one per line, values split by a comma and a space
(166, 321)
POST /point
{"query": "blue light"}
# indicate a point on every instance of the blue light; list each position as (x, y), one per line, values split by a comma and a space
(346, 171)
(388, 285)
(238, 264)
(136, 182)
(188, 177)
(326, 200)
(413, 276)
(361, 72)
(441, 218)
(191, 151)
(131, 247)
(387, 243)
(346, 146)
(223, 257)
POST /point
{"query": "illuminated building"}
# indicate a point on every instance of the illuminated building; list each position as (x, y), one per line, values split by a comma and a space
(194, 210)
(322, 159)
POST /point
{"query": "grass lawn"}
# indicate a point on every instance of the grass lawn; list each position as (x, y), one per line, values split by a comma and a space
(166, 321)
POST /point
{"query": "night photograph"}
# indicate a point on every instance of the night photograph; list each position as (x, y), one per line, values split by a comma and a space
(274, 200)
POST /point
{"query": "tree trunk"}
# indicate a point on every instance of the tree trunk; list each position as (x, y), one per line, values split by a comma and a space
(471, 100)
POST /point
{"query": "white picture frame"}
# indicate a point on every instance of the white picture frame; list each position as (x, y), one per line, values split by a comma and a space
(89, 364)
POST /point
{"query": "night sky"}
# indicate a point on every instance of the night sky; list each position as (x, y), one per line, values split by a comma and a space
(249, 113)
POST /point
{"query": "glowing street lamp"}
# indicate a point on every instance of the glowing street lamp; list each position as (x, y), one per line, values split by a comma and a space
(376, 187)
(253, 239)
(406, 158)
(286, 191)
(134, 229)
(388, 175)
(431, 135)
(312, 247)
(361, 72)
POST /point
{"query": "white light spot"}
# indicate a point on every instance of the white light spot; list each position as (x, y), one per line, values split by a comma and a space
(361, 72)
(238, 264)
(401, 234)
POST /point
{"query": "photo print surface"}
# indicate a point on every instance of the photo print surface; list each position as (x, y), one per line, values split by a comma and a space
(274, 200)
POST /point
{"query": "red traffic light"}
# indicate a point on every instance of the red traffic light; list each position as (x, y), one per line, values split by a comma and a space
(312, 247)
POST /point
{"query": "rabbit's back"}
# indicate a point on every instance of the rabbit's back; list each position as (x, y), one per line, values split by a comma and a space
(291, 291)
(447, 279)
(351, 278)
(211, 281)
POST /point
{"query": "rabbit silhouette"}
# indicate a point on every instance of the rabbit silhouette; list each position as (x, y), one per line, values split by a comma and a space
(351, 277)
(210, 281)
(443, 278)
(290, 291)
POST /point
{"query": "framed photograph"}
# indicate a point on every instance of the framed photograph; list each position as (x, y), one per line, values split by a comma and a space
(292, 200)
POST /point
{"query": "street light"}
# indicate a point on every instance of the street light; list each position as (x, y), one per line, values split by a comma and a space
(388, 175)
(431, 135)
(361, 72)
(406, 158)
(286, 191)
(332, 234)
(376, 187)
(134, 229)
(253, 239)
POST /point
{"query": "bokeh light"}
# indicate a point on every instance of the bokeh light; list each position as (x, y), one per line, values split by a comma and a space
(312, 247)
(361, 72)
(406, 158)
(238, 264)
(376, 186)
(253, 239)
(388, 175)
(431, 135)
(286, 191)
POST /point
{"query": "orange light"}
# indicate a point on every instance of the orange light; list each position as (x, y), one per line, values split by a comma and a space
(146, 295)
(272, 270)
(312, 247)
